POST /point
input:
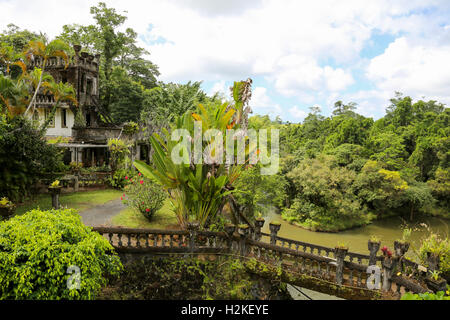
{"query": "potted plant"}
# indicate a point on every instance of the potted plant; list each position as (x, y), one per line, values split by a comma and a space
(401, 246)
(7, 208)
(243, 230)
(435, 282)
(55, 191)
(259, 222)
(230, 229)
(374, 243)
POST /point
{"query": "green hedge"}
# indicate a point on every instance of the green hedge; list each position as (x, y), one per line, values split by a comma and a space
(37, 248)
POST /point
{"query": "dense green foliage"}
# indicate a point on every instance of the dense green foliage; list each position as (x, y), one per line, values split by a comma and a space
(192, 279)
(426, 296)
(25, 157)
(37, 248)
(346, 169)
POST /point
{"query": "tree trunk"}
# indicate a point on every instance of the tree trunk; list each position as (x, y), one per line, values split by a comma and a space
(38, 87)
(411, 213)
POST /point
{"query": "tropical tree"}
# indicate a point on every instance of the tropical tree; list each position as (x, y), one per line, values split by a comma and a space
(37, 49)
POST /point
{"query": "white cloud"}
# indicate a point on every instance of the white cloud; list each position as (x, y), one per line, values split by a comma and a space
(414, 69)
(262, 104)
(297, 113)
(219, 87)
(307, 50)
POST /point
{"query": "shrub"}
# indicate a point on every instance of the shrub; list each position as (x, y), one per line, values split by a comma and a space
(25, 158)
(144, 195)
(439, 247)
(425, 296)
(118, 178)
(37, 248)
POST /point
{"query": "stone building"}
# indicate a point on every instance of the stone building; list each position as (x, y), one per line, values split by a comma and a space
(86, 144)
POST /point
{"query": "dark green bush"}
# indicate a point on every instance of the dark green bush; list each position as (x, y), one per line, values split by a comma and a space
(37, 248)
(25, 157)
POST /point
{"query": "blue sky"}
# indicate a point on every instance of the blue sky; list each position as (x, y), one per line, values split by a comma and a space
(298, 53)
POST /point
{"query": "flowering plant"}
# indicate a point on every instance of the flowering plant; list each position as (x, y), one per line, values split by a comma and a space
(55, 184)
(143, 195)
(4, 202)
(386, 252)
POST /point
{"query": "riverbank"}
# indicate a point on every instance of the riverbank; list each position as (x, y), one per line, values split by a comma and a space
(387, 230)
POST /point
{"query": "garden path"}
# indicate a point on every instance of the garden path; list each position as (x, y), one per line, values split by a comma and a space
(102, 215)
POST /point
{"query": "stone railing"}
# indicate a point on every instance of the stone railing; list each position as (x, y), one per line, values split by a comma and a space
(330, 265)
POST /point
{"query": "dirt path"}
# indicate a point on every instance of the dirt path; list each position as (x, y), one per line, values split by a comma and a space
(102, 215)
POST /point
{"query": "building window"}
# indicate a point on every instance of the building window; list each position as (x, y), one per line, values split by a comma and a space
(63, 118)
(83, 79)
(89, 86)
(48, 113)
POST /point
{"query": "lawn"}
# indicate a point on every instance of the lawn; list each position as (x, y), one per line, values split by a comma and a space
(79, 200)
(163, 219)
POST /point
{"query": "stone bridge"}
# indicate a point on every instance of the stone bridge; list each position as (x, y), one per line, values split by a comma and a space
(334, 271)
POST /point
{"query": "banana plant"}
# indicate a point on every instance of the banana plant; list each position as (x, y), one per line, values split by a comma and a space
(198, 191)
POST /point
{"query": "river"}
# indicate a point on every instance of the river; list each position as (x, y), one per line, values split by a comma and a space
(387, 230)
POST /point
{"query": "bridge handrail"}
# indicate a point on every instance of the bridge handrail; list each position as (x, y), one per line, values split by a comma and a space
(210, 242)
(352, 255)
(131, 231)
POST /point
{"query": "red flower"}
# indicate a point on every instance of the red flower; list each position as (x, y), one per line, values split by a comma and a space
(142, 181)
(148, 210)
(384, 249)
(139, 174)
(121, 198)
(389, 254)
(126, 178)
(143, 202)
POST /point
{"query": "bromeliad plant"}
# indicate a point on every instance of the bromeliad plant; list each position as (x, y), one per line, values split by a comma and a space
(198, 191)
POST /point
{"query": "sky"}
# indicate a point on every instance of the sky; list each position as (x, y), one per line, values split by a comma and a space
(299, 54)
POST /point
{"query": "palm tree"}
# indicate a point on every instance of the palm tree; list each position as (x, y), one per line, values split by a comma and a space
(38, 48)
(13, 95)
(62, 92)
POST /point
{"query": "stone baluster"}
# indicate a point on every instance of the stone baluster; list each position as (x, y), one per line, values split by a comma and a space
(259, 224)
(274, 228)
(373, 247)
(229, 230)
(340, 254)
(243, 231)
(193, 228)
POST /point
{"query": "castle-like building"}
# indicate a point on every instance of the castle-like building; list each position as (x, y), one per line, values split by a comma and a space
(85, 143)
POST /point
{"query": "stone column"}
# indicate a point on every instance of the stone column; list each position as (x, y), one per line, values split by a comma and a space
(72, 155)
(389, 264)
(274, 228)
(373, 249)
(259, 223)
(55, 192)
(400, 248)
(80, 156)
(340, 256)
